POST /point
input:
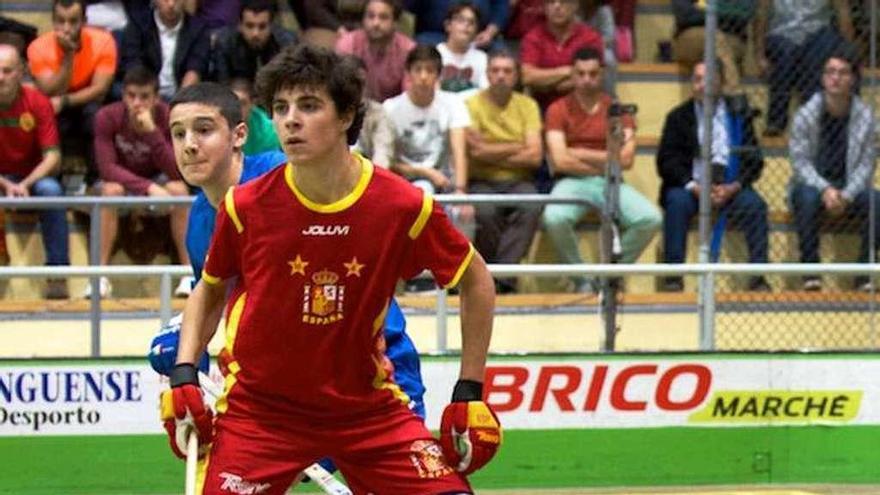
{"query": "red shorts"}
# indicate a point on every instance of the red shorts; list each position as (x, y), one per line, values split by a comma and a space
(383, 455)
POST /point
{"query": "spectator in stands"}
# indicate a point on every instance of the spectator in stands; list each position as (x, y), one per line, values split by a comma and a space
(548, 48)
(576, 136)
(29, 157)
(464, 66)
(688, 42)
(241, 51)
(16, 33)
(216, 14)
(135, 157)
(430, 133)
(524, 15)
(792, 50)
(381, 47)
(376, 140)
(833, 160)
(431, 20)
(505, 150)
(169, 43)
(681, 167)
(319, 21)
(261, 133)
(74, 65)
(600, 16)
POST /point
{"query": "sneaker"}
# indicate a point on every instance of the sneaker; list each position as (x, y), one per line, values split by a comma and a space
(56, 288)
(812, 284)
(759, 284)
(184, 288)
(673, 284)
(105, 289)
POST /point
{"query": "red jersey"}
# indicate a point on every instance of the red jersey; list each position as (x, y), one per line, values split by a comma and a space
(305, 319)
(27, 130)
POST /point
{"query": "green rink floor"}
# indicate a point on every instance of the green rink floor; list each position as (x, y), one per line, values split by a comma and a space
(531, 461)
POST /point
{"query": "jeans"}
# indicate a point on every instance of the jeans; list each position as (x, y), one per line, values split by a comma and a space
(807, 204)
(640, 219)
(747, 211)
(53, 223)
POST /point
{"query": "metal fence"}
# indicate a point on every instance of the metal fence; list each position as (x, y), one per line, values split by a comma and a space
(800, 96)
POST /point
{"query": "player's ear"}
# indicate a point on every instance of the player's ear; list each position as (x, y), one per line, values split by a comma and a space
(239, 135)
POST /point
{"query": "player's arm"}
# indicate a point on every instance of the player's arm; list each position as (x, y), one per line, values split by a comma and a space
(477, 307)
(201, 314)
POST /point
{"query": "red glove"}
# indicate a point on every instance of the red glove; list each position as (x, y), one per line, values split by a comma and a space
(470, 433)
(182, 408)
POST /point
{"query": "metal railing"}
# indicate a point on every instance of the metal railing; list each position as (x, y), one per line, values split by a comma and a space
(707, 271)
(710, 270)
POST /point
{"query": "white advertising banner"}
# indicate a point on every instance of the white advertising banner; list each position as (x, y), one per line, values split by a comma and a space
(529, 393)
(81, 399)
(657, 392)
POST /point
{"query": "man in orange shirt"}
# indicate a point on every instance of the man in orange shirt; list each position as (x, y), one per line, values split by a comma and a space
(74, 65)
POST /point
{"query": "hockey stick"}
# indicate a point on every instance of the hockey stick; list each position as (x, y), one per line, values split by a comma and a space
(322, 478)
(192, 462)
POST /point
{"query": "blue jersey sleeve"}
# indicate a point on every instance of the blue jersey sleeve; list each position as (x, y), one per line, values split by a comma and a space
(202, 214)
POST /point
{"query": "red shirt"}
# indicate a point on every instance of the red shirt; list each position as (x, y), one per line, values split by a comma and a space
(27, 130)
(541, 49)
(314, 282)
(582, 129)
(128, 157)
(385, 68)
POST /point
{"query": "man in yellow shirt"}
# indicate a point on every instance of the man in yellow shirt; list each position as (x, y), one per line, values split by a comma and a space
(504, 147)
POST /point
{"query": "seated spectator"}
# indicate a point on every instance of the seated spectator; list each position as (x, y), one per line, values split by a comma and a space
(576, 136)
(429, 134)
(29, 158)
(464, 66)
(689, 42)
(319, 21)
(240, 52)
(261, 133)
(17, 34)
(381, 47)
(681, 166)
(524, 15)
(600, 16)
(548, 49)
(169, 43)
(216, 14)
(431, 20)
(376, 140)
(833, 159)
(74, 65)
(504, 148)
(793, 48)
(135, 157)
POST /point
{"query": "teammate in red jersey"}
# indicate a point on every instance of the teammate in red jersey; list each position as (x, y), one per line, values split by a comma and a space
(311, 253)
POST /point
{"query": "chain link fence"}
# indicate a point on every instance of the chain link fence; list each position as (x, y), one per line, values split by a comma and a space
(793, 179)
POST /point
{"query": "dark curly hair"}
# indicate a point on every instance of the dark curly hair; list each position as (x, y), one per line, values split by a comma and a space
(314, 67)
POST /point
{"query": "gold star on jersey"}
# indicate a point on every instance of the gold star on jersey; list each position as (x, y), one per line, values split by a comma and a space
(354, 268)
(298, 266)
